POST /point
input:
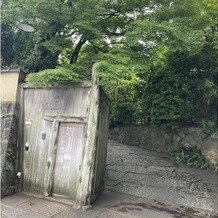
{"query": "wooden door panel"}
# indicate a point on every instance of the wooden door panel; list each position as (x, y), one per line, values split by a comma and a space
(69, 153)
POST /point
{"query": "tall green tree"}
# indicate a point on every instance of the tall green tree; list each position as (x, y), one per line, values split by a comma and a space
(176, 43)
(69, 24)
(147, 49)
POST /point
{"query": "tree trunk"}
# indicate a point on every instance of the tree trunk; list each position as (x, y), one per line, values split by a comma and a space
(76, 51)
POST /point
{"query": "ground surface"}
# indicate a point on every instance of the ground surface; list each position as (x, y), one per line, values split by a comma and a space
(157, 176)
(139, 183)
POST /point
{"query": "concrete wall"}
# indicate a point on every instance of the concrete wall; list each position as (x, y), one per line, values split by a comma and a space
(9, 131)
(9, 86)
(160, 140)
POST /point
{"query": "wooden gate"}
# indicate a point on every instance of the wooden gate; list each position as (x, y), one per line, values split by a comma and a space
(54, 137)
(65, 140)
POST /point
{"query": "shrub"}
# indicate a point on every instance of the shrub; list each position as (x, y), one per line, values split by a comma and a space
(55, 76)
(190, 155)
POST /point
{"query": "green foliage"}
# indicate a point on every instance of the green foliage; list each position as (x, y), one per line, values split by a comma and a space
(211, 91)
(51, 77)
(61, 25)
(85, 62)
(170, 100)
(122, 84)
(173, 59)
(25, 50)
(158, 59)
(190, 155)
(6, 45)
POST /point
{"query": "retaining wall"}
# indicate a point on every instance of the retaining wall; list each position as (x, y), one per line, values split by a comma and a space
(160, 140)
(9, 147)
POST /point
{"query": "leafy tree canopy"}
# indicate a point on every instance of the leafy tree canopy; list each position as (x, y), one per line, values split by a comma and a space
(158, 59)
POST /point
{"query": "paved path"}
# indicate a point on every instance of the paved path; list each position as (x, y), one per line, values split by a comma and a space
(109, 205)
(157, 176)
(139, 183)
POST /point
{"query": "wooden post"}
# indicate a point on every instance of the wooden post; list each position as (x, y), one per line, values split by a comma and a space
(87, 165)
(21, 138)
(48, 190)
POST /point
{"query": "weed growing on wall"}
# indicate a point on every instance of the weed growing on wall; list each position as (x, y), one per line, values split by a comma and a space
(190, 155)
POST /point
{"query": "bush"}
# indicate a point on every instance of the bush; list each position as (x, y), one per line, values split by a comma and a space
(170, 101)
(190, 155)
(55, 76)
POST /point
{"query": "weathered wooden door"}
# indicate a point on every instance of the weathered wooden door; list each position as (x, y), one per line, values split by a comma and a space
(70, 141)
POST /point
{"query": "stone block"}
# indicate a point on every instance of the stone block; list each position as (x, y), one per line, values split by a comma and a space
(204, 135)
(185, 131)
(181, 134)
(207, 132)
(198, 131)
(210, 150)
(191, 129)
(214, 135)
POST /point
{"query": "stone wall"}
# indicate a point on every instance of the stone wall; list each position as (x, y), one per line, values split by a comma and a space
(9, 147)
(160, 140)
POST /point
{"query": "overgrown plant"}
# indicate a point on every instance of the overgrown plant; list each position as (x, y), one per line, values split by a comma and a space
(190, 155)
(55, 76)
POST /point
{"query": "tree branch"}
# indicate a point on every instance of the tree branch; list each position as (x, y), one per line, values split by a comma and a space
(114, 33)
(97, 48)
(107, 16)
(76, 51)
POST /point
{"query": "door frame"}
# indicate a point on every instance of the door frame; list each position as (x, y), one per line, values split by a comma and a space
(52, 149)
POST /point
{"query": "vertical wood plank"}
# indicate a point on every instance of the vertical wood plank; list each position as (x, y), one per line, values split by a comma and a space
(21, 147)
(69, 153)
(51, 159)
(87, 165)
